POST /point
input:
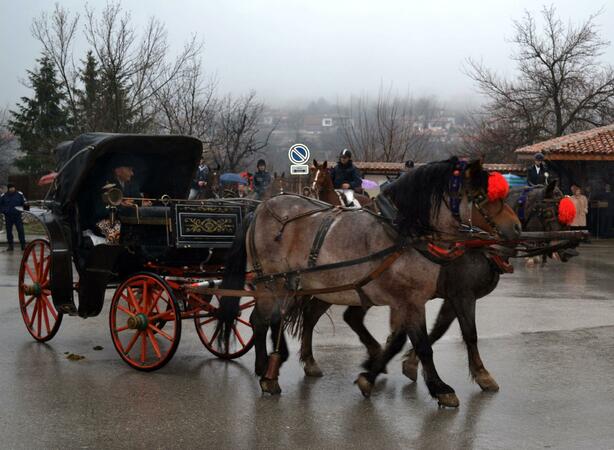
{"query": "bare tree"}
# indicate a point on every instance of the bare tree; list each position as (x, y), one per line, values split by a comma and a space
(489, 140)
(561, 86)
(187, 104)
(237, 136)
(56, 33)
(386, 129)
(133, 67)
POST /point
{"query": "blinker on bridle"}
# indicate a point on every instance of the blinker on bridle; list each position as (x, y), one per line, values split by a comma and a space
(477, 200)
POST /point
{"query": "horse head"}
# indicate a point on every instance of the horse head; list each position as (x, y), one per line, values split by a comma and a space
(213, 181)
(437, 197)
(278, 185)
(320, 179)
(542, 208)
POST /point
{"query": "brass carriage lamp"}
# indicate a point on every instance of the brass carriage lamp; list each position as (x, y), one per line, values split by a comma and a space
(112, 197)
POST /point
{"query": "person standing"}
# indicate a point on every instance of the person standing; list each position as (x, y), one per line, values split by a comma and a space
(262, 179)
(538, 172)
(9, 202)
(581, 203)
(345, 175)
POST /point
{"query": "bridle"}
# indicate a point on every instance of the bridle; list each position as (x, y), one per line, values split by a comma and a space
(476, 200)
(546, 210)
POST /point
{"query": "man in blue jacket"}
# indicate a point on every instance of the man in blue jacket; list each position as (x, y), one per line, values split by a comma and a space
(12, 216)
(345, 175)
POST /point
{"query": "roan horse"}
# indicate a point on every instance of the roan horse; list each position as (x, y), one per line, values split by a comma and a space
(461, 282)
(389, 268)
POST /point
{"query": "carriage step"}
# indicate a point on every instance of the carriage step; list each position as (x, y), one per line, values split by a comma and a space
(71, 310)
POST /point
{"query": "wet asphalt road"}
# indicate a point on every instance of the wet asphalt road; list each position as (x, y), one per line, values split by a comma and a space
(546, 335)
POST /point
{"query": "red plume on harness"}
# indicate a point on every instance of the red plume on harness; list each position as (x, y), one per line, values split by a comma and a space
(498, 188)
(567, 211)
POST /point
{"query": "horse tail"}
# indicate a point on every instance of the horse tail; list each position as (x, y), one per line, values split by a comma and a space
(233, 278)
(294, 316)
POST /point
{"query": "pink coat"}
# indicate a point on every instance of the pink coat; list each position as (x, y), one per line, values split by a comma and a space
(581, 203)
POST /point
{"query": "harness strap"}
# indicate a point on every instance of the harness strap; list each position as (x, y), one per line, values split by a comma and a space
(285, 220)
(319, 239)
(337, 265)
(252, 247)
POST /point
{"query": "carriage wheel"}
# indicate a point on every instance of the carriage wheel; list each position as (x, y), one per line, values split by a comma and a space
(140, 304)
(39, 314)
(242, 338)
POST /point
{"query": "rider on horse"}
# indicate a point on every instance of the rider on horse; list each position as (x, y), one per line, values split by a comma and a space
(345, 175)
(199, 183)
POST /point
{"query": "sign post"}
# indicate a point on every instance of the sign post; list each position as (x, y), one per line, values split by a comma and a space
(299, 155)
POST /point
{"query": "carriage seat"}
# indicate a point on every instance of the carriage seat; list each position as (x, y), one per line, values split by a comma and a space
(145, 215)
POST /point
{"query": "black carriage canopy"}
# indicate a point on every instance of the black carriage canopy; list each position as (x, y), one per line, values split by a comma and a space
(162, 164)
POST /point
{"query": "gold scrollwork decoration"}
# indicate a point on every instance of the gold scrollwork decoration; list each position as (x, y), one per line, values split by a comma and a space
(209, 225)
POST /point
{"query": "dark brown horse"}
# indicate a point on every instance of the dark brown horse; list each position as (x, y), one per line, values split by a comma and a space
(321, 187)
(212, 186)
(460, 284)
(278, 241)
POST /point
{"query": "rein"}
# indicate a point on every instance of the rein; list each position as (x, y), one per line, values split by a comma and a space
(423, 245)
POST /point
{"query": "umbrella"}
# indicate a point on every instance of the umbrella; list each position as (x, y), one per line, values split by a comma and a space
(515, 180)
(229, 178)
(368, 184)
(47, 179)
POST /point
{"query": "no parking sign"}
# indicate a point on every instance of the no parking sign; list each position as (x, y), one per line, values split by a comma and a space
(299, 155)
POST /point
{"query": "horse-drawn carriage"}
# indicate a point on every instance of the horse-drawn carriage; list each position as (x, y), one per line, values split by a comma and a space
(167, 248)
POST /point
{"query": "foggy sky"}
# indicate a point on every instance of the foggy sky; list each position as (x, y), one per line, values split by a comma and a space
(298, 50)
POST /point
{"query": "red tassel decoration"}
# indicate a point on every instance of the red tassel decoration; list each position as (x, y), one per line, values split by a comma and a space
(498, 188)
(567, 211)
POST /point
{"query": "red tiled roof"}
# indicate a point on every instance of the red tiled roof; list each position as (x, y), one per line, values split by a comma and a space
(595, 142)
(390, 168)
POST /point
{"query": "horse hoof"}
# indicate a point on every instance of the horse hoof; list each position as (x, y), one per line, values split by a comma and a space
(449, 400)
(364, 385)
(312, 370)
(270, 386)
(487, 383)
(410, 368)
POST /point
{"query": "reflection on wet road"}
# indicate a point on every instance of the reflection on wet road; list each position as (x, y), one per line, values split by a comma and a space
(547, 336)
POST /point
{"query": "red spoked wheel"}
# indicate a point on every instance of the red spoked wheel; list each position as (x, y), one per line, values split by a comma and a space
(140, 305)
(35, 300)
(242, 338)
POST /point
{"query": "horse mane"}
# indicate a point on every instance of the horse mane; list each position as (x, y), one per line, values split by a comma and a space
(418, 194)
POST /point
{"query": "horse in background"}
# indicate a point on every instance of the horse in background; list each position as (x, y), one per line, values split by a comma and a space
(279, 185)
(321, 187)
(212, 188)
